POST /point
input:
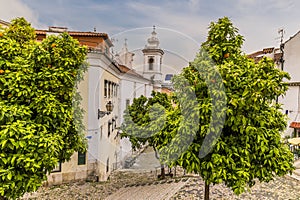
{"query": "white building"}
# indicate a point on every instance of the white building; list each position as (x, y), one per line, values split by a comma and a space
(291, 101)
(103, 118)
(100, 91)
(288, 63)
(132, 85)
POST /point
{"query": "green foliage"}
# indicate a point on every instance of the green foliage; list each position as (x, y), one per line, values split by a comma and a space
(145, 120)
(250, 146)
(40, 116)
(223, 40)
(224, 122)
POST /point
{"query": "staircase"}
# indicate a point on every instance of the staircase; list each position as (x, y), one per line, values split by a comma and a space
(158, 190)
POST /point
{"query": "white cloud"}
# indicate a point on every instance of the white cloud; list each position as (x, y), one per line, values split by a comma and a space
(16, 8)
(257, 20)
(281, 5)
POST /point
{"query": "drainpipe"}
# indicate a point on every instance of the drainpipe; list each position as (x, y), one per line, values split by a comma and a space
(282, 53)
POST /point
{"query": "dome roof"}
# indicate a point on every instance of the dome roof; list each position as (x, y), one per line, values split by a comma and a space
(153, 41)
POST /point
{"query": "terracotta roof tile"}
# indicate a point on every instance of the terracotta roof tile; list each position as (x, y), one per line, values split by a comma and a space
(253, 55)
(77, 33)
(295, 125)
(268, 50)
(125, 69)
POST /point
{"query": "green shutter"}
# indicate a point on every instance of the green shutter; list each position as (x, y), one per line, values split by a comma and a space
(81, 158)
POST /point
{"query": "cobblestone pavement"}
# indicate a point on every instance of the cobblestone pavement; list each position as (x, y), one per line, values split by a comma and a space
(127, 184)
(282, 188)
(93, 190)
(143, 184)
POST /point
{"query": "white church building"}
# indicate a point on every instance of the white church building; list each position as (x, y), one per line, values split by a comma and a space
(134, 83)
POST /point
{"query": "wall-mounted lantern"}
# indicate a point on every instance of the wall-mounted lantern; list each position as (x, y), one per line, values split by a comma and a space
(109, 107)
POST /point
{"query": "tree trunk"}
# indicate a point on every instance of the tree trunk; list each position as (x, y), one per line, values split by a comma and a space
(162, 171)
(206, 192)
(162, 166)
(3, 198)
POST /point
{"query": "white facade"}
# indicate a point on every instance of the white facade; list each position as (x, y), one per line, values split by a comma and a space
(125, 57)
(103, 140)
(291, 101)
(132, 85)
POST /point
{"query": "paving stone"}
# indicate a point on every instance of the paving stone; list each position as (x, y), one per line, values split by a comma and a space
(143, 184)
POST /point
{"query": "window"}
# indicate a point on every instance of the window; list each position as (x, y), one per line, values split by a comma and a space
(101, 132)
(168, 77)
(116, 90)
(109, 85)
(109, 129)
(113, 124)
(134, 89)
(107, 165)
(151, 62)
(81, 158)
(127, 103)
(111, 89)
(105, 88)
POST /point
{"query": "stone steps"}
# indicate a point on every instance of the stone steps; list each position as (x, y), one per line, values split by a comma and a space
(154, 191)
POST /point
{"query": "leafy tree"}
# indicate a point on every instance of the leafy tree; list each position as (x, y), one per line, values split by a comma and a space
(40, 115)
(240, 144)
(151, 121)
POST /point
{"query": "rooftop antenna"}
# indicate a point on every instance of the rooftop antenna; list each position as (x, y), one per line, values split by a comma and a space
(281, 32)
(281, 60)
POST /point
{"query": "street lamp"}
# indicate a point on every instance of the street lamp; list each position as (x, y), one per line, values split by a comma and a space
(109, 107)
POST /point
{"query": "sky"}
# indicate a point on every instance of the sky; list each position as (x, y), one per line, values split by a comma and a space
(181, 25)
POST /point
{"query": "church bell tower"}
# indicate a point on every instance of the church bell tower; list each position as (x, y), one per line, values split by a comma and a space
(153, 55)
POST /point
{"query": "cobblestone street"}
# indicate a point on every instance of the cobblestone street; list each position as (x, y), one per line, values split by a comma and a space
(138, 183)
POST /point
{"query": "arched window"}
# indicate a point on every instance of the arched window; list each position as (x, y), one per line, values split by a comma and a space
(151, 62)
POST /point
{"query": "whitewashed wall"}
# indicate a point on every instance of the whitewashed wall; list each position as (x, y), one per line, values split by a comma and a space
(292, 65)
(131, 87)
(292, 58)
(290, 106)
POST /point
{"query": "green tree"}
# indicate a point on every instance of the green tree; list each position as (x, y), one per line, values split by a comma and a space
(249, 147)
(40, 116)
(149, 121)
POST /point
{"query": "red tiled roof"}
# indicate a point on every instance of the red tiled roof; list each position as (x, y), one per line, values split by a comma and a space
(295, 125)
(77, 33)
(268, 50)
(255, 54)
(125, 69)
